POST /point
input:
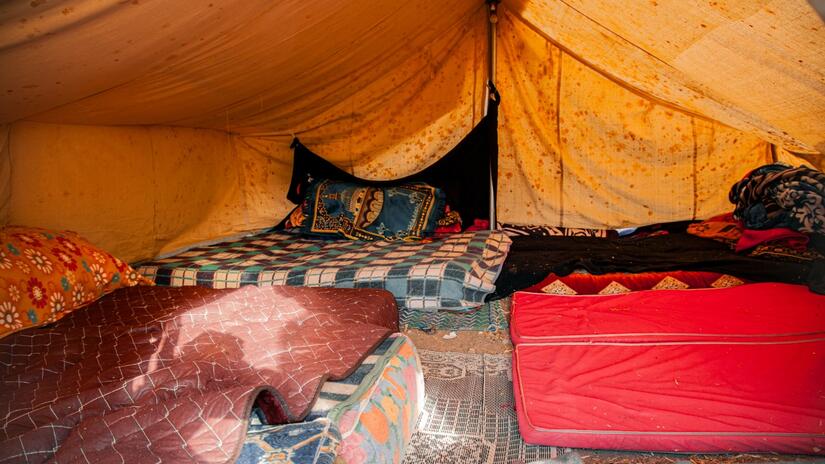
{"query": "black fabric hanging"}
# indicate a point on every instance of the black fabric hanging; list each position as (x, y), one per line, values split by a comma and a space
(463, 173)
(531, 259)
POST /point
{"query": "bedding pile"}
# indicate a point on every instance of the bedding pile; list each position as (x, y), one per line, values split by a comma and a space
(171, 374)
(456, 272)
(778, 195)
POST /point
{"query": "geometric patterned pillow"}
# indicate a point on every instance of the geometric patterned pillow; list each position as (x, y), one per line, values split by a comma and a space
(405, 212)
(45, 275)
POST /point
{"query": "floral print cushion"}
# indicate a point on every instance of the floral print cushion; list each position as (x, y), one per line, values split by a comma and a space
(45, 275)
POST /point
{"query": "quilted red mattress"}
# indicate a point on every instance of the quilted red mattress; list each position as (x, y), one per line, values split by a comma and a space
(720, 370)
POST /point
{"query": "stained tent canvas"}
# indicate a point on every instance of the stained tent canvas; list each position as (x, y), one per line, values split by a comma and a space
(580, 140)
(152, 125)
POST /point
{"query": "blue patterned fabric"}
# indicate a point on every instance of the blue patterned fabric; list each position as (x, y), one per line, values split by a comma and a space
(453, 273)
(361, 212)
(325, 432)
(779, 195)
(312, 442)
(333, 392)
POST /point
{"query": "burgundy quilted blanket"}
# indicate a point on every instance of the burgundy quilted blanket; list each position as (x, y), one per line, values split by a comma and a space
(150, 374)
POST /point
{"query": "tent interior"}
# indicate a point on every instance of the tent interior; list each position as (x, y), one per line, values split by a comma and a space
(153, 126)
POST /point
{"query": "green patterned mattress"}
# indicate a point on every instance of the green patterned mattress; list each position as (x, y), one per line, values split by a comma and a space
(455, 272)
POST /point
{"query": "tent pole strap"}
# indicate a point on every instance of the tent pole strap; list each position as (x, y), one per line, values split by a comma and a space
(492, 9)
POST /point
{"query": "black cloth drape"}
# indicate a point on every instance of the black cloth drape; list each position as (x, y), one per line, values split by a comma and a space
(463, 173)
(531, 259)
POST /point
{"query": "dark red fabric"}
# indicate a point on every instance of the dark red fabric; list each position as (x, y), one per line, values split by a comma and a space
(479, 224)
(788, 237)
(591, 284)
(451, 229)
(170, 374)
(719, 370)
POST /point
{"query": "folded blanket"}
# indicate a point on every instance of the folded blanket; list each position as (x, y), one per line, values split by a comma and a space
(159, 374)
(751, 238)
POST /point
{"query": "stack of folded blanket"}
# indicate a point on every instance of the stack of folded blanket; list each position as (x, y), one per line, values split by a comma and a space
(779, 213)
(779, 196)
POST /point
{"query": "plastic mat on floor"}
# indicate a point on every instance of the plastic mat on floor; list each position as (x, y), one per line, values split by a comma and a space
(469, 415)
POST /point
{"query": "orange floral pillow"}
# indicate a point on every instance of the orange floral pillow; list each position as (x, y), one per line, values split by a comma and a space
(45, 275)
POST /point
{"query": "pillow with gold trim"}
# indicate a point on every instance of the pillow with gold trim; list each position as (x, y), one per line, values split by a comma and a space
(365, 212)
(45, 275)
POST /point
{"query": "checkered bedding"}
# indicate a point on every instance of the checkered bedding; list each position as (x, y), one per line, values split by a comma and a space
(454, 273)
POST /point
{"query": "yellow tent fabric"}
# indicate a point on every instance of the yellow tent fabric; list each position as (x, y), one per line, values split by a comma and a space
(153, 124)
(578, 150)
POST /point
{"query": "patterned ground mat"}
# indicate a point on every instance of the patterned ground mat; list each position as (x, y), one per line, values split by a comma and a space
(469, 417)
(490, 317)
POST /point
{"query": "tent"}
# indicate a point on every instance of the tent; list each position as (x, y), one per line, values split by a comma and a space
(153, 126)
(150, 125)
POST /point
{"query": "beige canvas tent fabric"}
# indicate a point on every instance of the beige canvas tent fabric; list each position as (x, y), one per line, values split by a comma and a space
(138, 191)
(254, 66)
(613, 113)
(579, 150)
(757, 65)
(141, 191)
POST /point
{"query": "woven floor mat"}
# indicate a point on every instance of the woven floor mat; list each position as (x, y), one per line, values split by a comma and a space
(469, 415)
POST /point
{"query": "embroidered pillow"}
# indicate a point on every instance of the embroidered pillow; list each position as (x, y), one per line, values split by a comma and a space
(360, 212)
(45, 275)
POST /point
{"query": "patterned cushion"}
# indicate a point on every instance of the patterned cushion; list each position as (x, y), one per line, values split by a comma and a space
(312, 442)
(296, 218)
(360, 212)
(46, 275)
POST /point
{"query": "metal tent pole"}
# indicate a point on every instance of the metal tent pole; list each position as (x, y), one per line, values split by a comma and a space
(492, 8)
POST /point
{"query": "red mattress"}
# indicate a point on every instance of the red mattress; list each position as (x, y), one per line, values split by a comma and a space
(719, 370)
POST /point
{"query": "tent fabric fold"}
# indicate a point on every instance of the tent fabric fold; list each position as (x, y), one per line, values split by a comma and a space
(754, 65)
